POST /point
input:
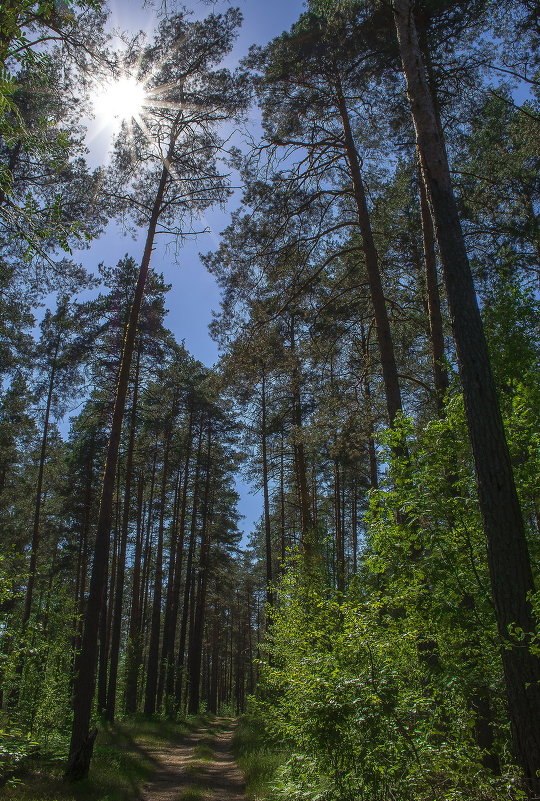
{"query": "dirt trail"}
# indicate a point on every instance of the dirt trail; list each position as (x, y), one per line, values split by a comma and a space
(201, 768)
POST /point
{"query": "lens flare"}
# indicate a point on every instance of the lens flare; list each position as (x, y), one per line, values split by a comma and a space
(119, 100)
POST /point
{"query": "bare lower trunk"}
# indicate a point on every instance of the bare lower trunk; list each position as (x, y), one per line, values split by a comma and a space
(188, 596)
(440, 373)
(508, 558)
(134, 651)
(120, 572)
(80, 750)
(36, 529)
(172, 621)
(199, 604)
(155, 626)
(267, 530)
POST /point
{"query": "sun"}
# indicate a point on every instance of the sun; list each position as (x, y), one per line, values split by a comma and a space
(117, 101)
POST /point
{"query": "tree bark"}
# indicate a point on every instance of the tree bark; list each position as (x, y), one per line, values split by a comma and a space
(306, 518)
(267, 529)
(171, 621)
(199, 603)
(188, 579)
(382, 323)
(36, 533)
(80, 749)
(155, 625)
(121, 565)
(440, 373)
(508, 557)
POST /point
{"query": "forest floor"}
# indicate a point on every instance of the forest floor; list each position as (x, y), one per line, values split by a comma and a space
(144, 760)
(201, 768)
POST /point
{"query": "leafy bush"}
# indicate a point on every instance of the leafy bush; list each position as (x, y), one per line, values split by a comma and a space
(387, 690)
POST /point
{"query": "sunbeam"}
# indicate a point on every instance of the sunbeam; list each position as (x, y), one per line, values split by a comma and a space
(117, 101)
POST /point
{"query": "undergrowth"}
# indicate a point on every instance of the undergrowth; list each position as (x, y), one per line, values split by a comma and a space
(258, 757)
(120, 766)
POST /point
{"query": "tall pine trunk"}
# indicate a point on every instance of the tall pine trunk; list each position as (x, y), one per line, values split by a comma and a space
(382, 323)
(508, 558)
(266, 504)
(121, 565)
(155, 624)
(187, 597)
(134, 644)
(199, 603)
(171, 620)
(436, 332)
(82, 741)
(36, 528)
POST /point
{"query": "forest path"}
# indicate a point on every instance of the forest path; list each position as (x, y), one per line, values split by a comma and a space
(200, 768)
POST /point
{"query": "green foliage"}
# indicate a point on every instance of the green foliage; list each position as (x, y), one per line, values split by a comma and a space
(15, 747)
(123, 762)
(375, 692)
(258, 755)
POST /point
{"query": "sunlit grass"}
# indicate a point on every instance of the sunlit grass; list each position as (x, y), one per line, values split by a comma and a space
(119, 768)
(257, 757)
(193, 794)
(203, 752)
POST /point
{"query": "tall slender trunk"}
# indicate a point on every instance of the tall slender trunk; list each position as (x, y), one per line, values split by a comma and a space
(266, 504)
(282, 516)
(214, 665)
(199, 605)
(508, 557)
(382, 323)
(372, 453)
(171, 567)
(134, 646)
(171, 622)
(354, 525)
(155, 625)
(80, 581)
(306, 519)
(440, 373)
(121, 566)
(188, 579)
(82, 742)
(339, 538)
(36, 529)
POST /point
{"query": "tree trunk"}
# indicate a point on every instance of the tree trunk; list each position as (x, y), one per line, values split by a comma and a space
(121, 564)
(36, 534)
(306, 519)
(155, 626)
(134, 645)
(80, 749)
(339, 539)
(382, 323)
(267, 530)
(171, 566)
(171, 621)
(282, 516)
(188, 579)
(199, 604)
(440, 373)
(508, 558)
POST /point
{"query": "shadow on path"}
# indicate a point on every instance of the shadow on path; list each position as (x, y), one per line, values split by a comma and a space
(177, 769)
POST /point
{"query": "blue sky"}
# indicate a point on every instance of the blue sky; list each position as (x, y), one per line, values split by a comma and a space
(194, 293)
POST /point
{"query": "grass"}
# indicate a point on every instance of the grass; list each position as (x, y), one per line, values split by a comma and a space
(257, 756)
(203, 752)
(193, 794)
(120, 765)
